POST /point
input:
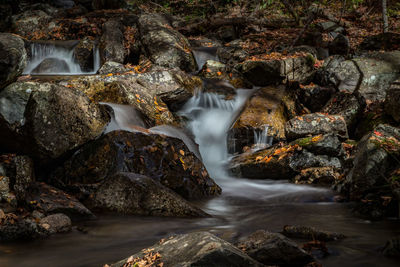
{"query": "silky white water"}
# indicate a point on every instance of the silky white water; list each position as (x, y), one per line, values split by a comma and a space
(60, 58)
(261, 139)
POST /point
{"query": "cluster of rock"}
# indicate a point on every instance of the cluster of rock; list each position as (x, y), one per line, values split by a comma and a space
(60, 160)
(261, 248)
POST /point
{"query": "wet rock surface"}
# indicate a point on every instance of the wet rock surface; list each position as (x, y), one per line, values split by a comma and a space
(194, 249)
(111, 42)
(56, 223)
(12, 58)
(165, 159)
(130, 193)
(274, 249)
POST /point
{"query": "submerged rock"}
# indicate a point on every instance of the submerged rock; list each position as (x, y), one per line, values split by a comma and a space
(163, 45)
(13, 227)
(165, 159)
(195, 249)
(55, 223)
(310, 233)
(132, 193)
(314, 124)
(12, 58)
(51, 65)
(274, 249)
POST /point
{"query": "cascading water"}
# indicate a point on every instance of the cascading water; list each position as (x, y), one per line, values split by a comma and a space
(202, 54)
(50, 58)
(261, 139)
(210, 117)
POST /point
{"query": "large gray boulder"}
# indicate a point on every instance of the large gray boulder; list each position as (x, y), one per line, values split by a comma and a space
(163, 45)
(369, 76)
(60, 119)
(12, 58)
(200, 249)
(274, 249)
(131, 193)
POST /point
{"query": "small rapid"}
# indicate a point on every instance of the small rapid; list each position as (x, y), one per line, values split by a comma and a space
(57, 58)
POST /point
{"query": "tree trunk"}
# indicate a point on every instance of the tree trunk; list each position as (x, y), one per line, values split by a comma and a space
(384, 16)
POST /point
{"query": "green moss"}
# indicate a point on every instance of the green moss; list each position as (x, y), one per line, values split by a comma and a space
(303, 141)
(310, 60)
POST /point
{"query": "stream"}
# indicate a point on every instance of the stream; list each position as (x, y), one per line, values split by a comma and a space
(244, 207)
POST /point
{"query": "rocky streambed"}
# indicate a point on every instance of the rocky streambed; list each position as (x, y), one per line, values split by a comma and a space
(193, 151)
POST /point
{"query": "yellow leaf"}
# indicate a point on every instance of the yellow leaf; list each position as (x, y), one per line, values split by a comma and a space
(110, 74)
(181, 152)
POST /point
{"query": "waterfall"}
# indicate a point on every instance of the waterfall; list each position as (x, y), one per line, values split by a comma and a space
(57, 58)
(210, 118)
(261, 139)
(202, 54)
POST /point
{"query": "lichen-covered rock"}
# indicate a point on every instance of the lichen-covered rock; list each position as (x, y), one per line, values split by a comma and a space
(50, 200)
(12, 58)
(163, 45)
(165, 159)
(368, 76)
(271, 72)
(314, 124)
(112, 67)
(347, 105)
(274, 249)
(112, 42)
(131, 193)
(310, 233)
(392, 106)
(195, 249)
(55, 223)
